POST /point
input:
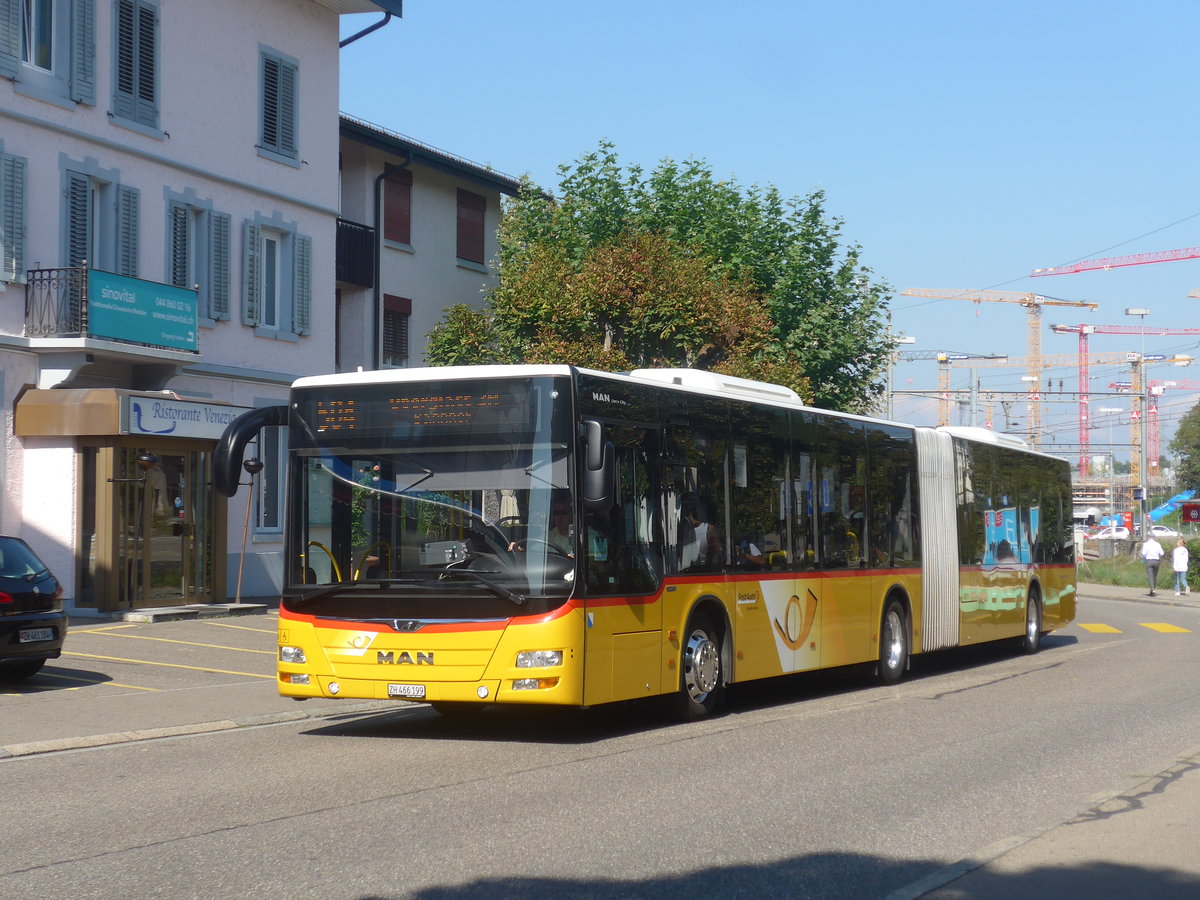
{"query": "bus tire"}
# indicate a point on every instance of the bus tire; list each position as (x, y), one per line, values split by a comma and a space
(893, 642)
(1031, 640)
(701, 678)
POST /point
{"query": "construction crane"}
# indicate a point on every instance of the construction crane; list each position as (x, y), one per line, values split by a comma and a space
(1117, 262)
(1156, 390)
(1033, 304)
(1083, 331)
(945, 358)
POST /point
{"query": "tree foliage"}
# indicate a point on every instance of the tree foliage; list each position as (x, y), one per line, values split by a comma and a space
(626, 269)
(1186, 445)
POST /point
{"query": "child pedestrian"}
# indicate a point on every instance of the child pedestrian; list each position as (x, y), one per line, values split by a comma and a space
(1179, 563)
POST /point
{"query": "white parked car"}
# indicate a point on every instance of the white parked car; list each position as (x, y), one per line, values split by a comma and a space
(1162, 532)
(1112, 533)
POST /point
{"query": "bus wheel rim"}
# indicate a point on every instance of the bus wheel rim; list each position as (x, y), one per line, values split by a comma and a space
(702, 666)
(894, 641)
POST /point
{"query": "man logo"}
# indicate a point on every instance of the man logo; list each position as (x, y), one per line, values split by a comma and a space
(403, 658)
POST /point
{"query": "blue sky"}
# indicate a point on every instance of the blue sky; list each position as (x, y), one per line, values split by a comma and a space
(963, 145)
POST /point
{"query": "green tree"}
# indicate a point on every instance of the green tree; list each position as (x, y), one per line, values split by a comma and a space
(1186, 445)
(677, 267)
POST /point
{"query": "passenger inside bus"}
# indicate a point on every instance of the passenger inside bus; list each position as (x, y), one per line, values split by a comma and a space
(699, 543)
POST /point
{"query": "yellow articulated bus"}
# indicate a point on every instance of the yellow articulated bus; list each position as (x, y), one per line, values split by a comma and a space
(469, 535)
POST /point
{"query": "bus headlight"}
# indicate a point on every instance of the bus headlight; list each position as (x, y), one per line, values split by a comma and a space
(534, 684)
(291, 655)
(539, 659)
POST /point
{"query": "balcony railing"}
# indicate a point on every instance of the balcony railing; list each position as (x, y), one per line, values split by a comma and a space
(56, 302)
(355, 253)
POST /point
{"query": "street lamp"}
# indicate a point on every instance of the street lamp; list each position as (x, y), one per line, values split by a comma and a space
(1142, 390)
(897, 340)
(253, 466)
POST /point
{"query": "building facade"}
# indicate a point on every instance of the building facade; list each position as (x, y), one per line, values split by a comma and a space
(417, 234)
(168, 221)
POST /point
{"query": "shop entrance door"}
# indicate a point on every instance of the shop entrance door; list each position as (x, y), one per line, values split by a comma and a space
(164, 514)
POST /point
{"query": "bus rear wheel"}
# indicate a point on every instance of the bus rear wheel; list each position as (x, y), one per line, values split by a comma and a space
(700, 677)
(1031, 640)
(893, 643)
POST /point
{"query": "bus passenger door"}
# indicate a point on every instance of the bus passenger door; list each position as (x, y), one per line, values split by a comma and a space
(622, 572)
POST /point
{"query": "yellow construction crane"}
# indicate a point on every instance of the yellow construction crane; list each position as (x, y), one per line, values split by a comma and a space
(1033, 304)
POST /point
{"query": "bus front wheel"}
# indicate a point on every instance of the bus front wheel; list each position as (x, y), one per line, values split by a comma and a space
(700, 677)
(893, 643)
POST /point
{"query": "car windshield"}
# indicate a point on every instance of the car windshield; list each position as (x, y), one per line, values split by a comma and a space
(432, 500)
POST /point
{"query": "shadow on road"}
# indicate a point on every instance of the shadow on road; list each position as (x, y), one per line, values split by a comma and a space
(53, 678)
(566, 725)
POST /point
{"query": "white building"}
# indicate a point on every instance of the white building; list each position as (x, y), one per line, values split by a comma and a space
(168, 215)
(417, 234)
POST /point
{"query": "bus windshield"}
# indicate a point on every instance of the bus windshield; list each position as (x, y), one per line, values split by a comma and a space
(431, 500)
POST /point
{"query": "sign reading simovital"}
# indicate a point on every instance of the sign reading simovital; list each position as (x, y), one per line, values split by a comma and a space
(169, 417)
(141, 312)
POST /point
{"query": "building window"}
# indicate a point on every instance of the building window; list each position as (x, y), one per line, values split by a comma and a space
(49, 48)
(12, 218)
(199, 256)
(279, 92)
(269, 495)
(397, 207)
(135, 92)
(396, 313)
(277, 279)
(101, 223)
(472, 209)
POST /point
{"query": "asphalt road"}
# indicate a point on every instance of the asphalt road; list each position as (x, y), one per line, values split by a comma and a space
(814, 786)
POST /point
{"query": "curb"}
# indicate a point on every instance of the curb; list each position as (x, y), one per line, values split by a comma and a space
(89, 742)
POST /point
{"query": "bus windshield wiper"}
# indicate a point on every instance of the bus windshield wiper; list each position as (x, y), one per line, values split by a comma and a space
(330, 589)
(498, 589)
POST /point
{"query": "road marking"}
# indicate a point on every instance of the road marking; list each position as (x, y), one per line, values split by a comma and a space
(145, 662)
(132, 687)
(244, 628)
(1097, 628)
(143, 637)
(1165, 628)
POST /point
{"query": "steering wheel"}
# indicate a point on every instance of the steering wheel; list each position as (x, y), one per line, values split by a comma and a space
(553, 548)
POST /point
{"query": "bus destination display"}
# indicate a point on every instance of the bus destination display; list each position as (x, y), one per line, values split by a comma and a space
(450, 409)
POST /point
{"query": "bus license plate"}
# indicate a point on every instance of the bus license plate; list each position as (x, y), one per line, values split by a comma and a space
(407, 691)
(29, 635)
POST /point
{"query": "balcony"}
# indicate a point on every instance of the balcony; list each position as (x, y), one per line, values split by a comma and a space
(77, 316)
(355, 253)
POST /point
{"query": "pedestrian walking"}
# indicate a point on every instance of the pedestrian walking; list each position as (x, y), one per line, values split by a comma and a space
(1152, 554)
(1179, 564)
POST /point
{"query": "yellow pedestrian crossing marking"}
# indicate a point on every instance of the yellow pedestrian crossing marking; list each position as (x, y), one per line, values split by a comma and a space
(1160, 627)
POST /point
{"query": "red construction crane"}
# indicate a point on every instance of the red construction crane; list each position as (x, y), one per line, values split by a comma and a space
(1083, 331)
(1033, 304)
(1117, 262)
(1157, 389)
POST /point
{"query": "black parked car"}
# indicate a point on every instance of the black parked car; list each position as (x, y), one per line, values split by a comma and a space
(32, 622)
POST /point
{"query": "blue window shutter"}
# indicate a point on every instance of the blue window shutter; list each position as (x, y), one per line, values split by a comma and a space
(251, 274)
(79, 219)
(135, 91)
(279, 105)
(12, 218)
(302, 279)
(10, 37)
(180, 226)
(83, 51)
(218, 259)
(127, 231)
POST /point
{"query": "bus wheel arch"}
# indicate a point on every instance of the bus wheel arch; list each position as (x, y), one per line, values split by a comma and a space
(895, 638)
(1031, 639)
(703, 661)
